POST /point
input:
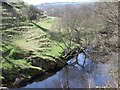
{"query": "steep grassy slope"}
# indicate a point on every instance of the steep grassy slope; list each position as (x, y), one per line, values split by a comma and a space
(39, 41)
(26, 50)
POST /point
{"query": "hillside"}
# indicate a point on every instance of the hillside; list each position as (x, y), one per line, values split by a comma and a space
(27, 49)
(38, 41)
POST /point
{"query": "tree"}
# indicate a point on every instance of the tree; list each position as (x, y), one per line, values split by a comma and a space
(107, 13)
(73, 22)
(34, 13)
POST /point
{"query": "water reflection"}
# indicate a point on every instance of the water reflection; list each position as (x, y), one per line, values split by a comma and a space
(94, 74)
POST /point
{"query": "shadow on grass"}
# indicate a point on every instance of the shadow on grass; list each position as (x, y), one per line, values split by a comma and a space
(54, 35)
(44, 29)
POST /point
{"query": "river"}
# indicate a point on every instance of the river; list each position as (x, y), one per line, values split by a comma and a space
(94, 74)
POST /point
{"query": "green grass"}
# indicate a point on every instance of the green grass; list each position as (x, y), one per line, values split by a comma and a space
(1, 77)
(9, 60)
(21, 64)
(13, 67)
(31, 45)
(48, 22)
(54, 51)
(39, 41)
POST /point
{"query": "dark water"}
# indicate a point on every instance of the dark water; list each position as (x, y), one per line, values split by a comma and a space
(74, 76)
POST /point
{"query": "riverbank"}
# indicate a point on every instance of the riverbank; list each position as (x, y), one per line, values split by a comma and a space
(95, 74)
(19, 67)
(36, 46)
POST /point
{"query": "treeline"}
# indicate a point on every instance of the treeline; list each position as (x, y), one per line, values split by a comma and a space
(88, 24)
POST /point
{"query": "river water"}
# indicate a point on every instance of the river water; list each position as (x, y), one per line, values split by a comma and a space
(94, 74)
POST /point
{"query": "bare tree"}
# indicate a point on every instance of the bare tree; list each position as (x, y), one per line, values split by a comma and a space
(74, 21)
(107, 13)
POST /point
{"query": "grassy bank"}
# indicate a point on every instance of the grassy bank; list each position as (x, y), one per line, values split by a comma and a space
(23, 55)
